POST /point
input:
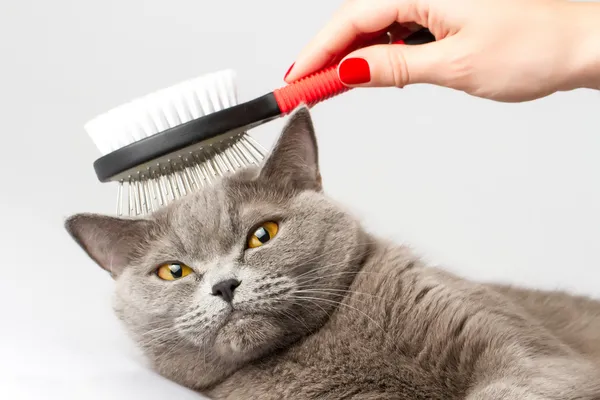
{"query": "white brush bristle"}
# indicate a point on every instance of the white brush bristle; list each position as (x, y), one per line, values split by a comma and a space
(166, 108)
(148, 187)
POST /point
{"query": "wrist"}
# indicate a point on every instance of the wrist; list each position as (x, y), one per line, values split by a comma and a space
(583, 59)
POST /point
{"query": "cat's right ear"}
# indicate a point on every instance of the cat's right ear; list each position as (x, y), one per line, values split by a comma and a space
(109, 241)
(294, 159)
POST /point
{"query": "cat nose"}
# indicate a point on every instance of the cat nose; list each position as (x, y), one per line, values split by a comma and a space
(225, 289)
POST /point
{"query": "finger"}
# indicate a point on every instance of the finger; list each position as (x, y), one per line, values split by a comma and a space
(397, 65)
(356, 18)
(381, 37)
(385, 36)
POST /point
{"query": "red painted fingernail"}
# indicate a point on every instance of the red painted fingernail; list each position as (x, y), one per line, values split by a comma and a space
(354, 71)
(288, 71)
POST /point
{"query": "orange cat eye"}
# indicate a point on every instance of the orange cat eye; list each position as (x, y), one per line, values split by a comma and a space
(173, 271)
(265, 232)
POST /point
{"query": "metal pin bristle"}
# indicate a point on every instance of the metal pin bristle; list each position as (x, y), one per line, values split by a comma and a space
(146, 191)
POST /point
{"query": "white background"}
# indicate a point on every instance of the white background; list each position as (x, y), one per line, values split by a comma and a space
(491, 191)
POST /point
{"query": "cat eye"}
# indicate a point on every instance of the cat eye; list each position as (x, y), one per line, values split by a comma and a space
(173, 271)
(265, 232)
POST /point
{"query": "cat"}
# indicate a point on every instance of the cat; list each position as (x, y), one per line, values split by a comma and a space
(263, 287)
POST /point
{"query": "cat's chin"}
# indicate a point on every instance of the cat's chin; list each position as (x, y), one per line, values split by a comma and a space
(246, 336)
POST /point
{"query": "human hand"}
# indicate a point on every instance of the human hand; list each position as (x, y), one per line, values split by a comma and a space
(505, 50)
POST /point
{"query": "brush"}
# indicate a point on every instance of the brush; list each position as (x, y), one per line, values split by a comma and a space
(169, 143)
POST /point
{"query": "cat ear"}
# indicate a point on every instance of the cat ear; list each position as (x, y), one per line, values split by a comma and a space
(109, 241)
(295, 159)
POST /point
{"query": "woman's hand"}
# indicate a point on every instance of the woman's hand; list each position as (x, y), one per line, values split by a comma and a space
(506, 50)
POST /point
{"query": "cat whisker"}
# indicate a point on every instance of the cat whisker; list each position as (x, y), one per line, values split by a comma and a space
(309, 278)
(163, 339)
(164, 326)
(338, 303)
(172, 349)
(310, 301)
(333, 290)
(334, 296)
(290, 314)
(325, 266)
(322, 267)
(156, 333)
(293, 303)
(198, 353)
(295, 318)
(326, 253)
(337, 274)
(204, 352)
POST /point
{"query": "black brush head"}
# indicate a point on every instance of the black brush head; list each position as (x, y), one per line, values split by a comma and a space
(238, 118)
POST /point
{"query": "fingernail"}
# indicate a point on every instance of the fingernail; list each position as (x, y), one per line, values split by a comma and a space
(288, 71)
(354, 71)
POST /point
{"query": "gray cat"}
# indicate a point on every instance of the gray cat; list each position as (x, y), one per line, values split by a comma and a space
(261, 287)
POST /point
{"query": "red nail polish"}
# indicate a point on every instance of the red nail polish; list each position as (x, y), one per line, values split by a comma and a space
(288, 71)
(354, 71)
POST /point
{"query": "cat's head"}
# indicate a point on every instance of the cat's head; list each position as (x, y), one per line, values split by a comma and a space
(233, 272)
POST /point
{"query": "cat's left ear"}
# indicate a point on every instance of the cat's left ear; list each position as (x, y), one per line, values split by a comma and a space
(111, 242)
(295, 158)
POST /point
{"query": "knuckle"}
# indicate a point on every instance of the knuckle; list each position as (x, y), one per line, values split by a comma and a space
(460, 71)
(398, 67)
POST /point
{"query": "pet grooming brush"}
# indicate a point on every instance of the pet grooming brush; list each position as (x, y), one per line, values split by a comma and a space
(169, 143)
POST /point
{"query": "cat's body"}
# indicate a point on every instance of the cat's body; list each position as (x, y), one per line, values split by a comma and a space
(407, 331)
(321, 309)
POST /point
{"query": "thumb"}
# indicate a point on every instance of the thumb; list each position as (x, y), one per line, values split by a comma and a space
(396, 65)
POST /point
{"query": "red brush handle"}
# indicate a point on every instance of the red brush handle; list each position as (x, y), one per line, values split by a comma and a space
(326, 83)
(310, 90)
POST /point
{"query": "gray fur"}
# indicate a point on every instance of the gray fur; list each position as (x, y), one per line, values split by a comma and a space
(326, 310)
